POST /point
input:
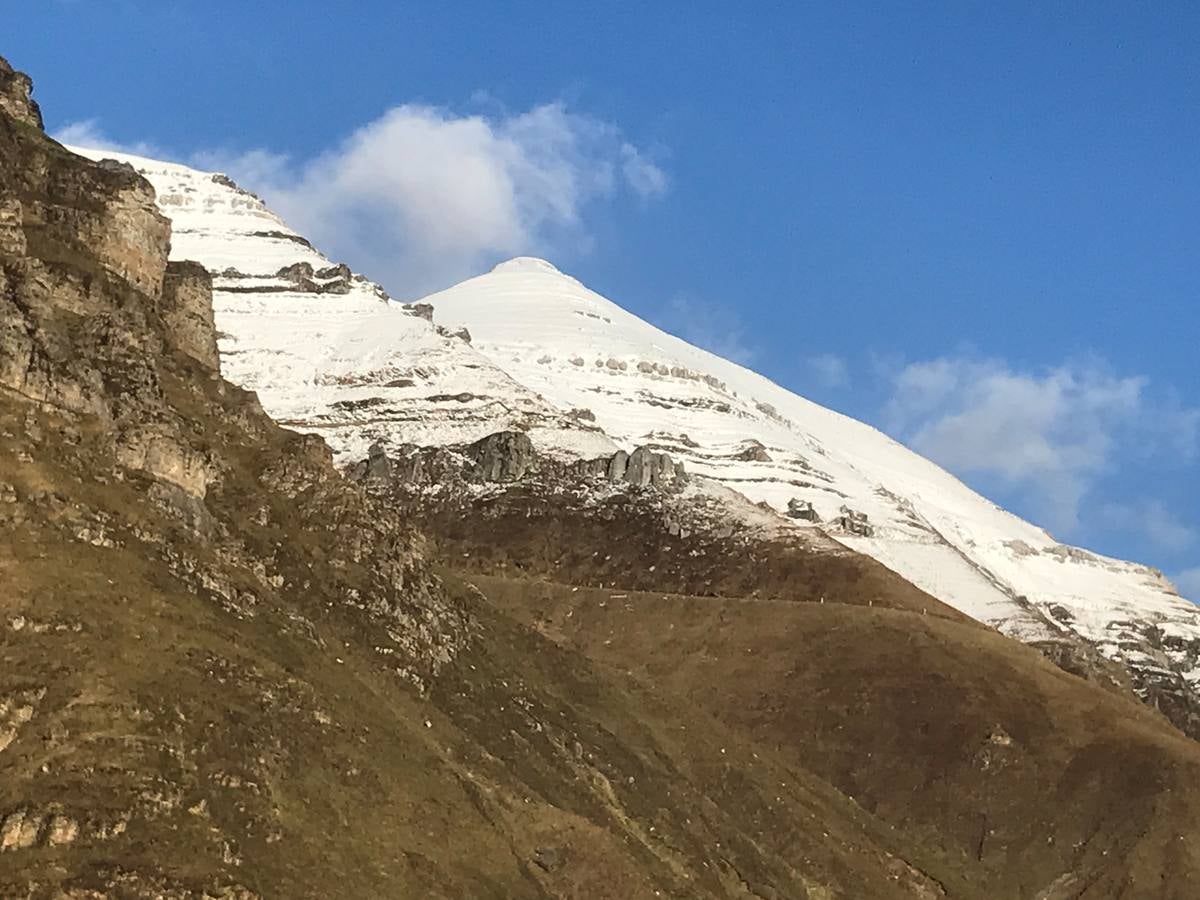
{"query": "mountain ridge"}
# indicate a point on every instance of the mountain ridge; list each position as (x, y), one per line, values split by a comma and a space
(232, 669)
(584, 377)
(226, 672)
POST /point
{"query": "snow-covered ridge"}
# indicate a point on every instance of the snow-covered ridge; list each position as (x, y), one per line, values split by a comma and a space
(643, 385)
(326, 350)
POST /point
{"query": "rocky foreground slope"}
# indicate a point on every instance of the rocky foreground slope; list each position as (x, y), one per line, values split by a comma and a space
(528, 349)
(229, 670)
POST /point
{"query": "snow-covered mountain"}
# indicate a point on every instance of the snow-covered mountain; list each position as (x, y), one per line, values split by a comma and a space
(327, 350)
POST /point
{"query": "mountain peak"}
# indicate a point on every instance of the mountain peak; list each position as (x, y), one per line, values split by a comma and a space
(585, 377)
(526, 264)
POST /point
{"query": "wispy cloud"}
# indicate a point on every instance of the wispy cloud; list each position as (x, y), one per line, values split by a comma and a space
(831, 370)
(88, 133)
(1152, 519)
(712, 326)
(424, 196)
(1188, 583)
(1051, 432)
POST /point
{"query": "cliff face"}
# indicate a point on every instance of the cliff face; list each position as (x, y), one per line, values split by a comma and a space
(16, 96)
(225, 672)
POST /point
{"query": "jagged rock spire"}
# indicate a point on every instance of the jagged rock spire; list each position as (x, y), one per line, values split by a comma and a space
(16, 96)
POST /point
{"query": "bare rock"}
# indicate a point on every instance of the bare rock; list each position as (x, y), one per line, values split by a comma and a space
(617, 466)
(752, 451)
(157, 451)
(338, 270)
(649, 467)
(19, 829)
(188, 312)
(462, 333)
(802, 509)
(503, 456)
(853, 522)
(378, 465)
(548, 859)
(296, 272)
(16, 96)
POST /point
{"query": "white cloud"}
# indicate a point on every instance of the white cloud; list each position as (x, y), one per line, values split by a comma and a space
(1154, 521)
(422, 197)
(646, 179)
(88, 133)
(830, 369)
(1049, 433)
(252, 169)
(1188, 583)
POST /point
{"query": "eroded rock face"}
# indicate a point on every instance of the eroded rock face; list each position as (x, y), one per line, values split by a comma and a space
(81, 242)
(160, 451)
(803, 510)
(188, 311)
(16, 96)
(504, 456)
(131, 237)
(649, 467)
(509, 456)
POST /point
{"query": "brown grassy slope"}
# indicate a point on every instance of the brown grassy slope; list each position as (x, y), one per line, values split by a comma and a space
(627, 539)
(198, 745)
(1013, 776)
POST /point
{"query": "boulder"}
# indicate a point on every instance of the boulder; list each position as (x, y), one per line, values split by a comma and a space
(503, 456)
(752, 451)
(648, 467)
(802, 509)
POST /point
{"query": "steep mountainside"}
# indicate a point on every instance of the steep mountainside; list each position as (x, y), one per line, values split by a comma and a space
(1016, 779)
(228, 669)
(583, 377)
(226, 672)
(327, 349)
(579, 349)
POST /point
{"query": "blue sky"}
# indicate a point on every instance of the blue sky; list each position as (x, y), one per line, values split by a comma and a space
(973, 224)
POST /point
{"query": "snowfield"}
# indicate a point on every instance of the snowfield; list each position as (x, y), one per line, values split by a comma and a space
(335, 354)
(328, 351)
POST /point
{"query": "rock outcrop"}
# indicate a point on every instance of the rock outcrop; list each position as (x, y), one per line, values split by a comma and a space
(853, 522)
(188, 312)
(802, 510)
(510, 456)
(504, 456)
(16, 96)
